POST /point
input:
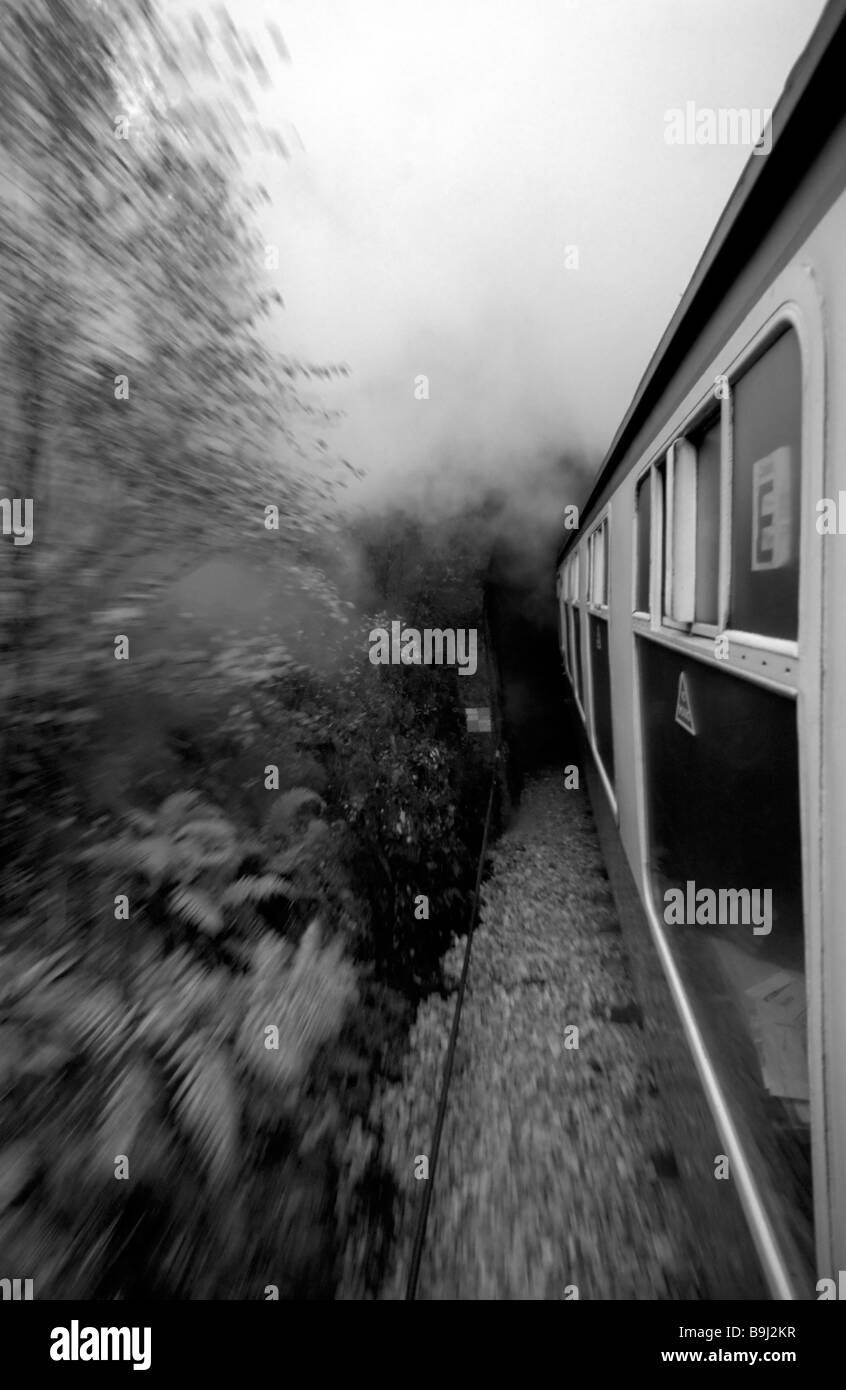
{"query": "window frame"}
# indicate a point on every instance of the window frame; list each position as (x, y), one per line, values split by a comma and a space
(578, 647)
(563, 630)
(643, 479)
(598, 543)
(723, 416)
(770, 660)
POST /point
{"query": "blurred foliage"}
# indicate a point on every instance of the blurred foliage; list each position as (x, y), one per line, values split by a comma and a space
(136, 258)
(249, 908)
(145, 1037)
(431, 568)
(412, 785)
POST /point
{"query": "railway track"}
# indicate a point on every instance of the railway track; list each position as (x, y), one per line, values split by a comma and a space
(557, 1173)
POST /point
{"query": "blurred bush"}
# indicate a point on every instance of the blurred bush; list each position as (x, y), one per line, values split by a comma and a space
(140, 1028)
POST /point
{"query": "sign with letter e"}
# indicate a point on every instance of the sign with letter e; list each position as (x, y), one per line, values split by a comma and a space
(771, 511)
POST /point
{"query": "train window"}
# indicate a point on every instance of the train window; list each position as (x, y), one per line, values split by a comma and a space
(643, 513)
(706, 598)
(575, 630)
(659, 506)
(680, 532)
(689, 482)
(661, 495)
(589, 573)
(600, 671)
(598, 567)
(568, 629)
(591, 570)
(597, 649)
(766, 492)
(721, 778)
(577, 654)
(562, 618)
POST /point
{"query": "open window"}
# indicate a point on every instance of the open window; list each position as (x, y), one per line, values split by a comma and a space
(643, 545)
(563, 619)
(597, 569)
(718, 513)
(598, 647)
(690, 480)
(575, 632)
(706, 587)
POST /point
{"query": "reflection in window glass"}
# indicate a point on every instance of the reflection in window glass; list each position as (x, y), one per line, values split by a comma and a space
(723, 815)
(683, 508)
(766, 492)
(601, 674)
(577, 656)
(591, 578)
(600, 598)
(661, 476)
(706, 609)
(562, 626)
(644, 527)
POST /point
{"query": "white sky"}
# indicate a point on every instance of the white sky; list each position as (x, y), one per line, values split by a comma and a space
(453, 150)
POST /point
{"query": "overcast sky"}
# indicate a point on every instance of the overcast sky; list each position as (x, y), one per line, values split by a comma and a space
(451, 153)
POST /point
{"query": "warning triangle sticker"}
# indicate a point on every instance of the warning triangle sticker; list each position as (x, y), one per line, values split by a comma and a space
(684, 712)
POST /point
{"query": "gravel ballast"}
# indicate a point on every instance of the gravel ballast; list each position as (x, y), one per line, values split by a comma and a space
(556, 1178)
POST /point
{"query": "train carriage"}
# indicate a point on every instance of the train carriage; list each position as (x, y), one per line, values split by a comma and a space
(702, 634)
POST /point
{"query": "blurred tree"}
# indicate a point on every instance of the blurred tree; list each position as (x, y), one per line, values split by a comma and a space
(142, 409)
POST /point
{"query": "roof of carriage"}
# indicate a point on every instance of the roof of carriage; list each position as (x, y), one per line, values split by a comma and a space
(812, 104)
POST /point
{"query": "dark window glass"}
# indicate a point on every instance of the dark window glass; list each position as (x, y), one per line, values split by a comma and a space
(766, 493)
(577, 656)
(707, 445)
(661, 475)
(644, 531)
(722, 779)
(599, 576)
(601, 676)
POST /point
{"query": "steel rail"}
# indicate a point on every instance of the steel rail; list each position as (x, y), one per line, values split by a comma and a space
(423, 1212)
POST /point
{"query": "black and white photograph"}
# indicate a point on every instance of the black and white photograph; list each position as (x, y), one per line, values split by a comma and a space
(422, 668)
